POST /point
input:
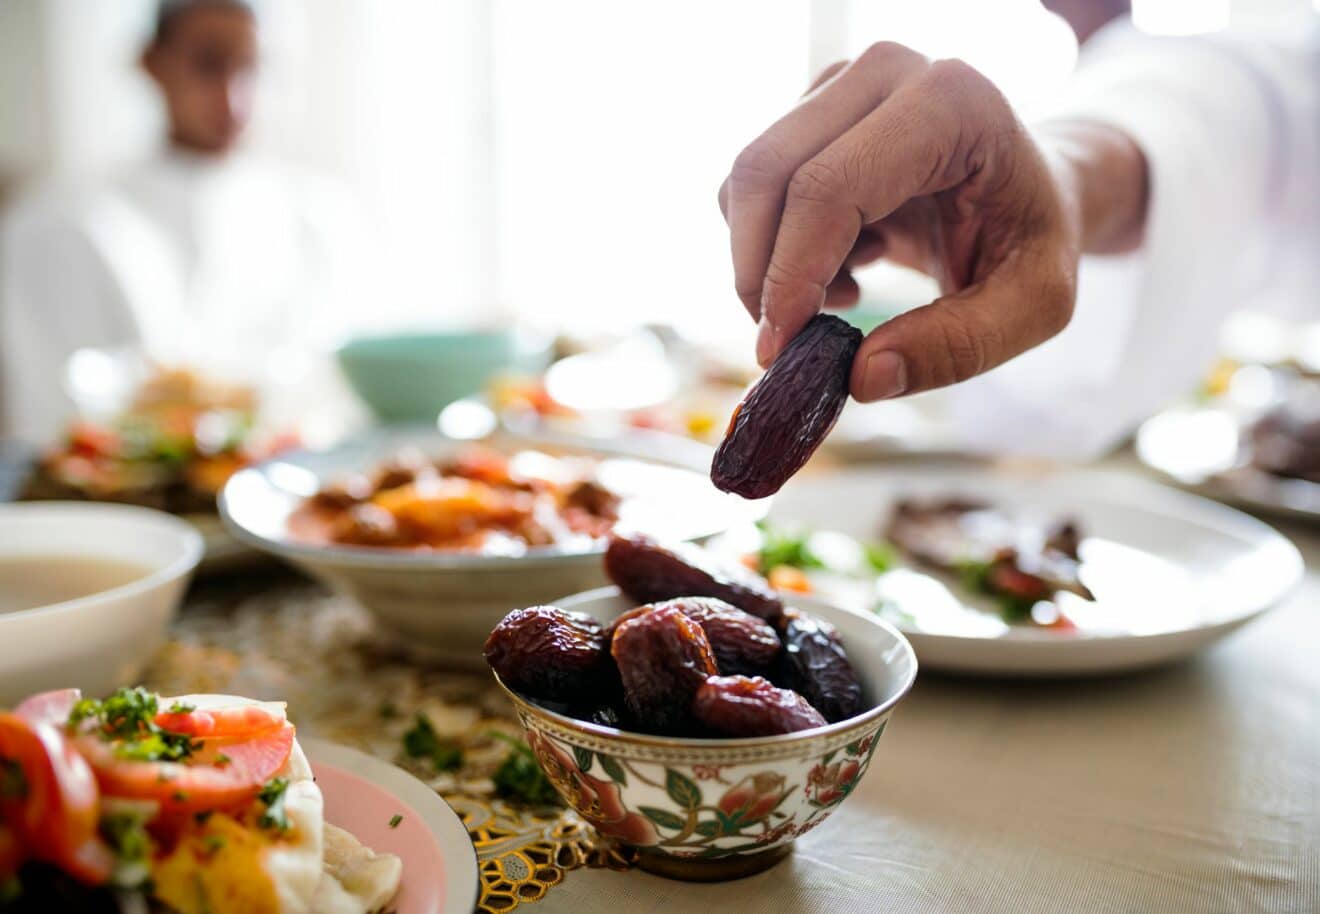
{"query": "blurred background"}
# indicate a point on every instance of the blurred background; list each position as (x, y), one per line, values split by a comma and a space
(461, 164)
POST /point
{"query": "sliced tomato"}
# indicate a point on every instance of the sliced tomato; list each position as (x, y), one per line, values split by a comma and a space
(54, 803)
(214, 716)
(49, 707)
(93, 440)
(226, 773)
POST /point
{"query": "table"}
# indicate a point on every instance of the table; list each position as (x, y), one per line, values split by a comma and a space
(1194, 788)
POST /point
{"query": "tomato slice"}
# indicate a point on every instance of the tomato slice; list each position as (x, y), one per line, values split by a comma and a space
(218, 716)
(51, 799)
(225, 773)
(49, 707)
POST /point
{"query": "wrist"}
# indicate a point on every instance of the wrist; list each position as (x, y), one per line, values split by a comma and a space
(1102, 176)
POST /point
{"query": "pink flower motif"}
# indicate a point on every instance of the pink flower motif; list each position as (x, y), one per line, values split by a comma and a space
(706, 772)
(865, 745)
(753, 798)
(785, 829)
(828, 784)
(597, 801)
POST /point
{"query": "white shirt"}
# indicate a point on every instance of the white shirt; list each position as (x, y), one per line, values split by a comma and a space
(216, 263)
(1230, 126)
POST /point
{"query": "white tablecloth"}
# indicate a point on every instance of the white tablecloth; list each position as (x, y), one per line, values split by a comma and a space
(1190, 789)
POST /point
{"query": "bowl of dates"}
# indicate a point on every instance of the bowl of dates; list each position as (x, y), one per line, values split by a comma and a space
(709, 729)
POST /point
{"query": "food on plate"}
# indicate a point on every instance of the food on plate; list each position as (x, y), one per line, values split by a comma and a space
(480, 501)
(201, 804)
(647, 571)
(174, 448)
(1019, 564)
(692, 665)
(1286, 441)
(787, 414)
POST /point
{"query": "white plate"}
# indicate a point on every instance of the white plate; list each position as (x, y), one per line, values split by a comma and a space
(1172, 572)
(427, 828)
(1199, 447)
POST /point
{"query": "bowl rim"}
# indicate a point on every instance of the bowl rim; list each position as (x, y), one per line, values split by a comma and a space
(781, 740)
(378, 558)
(193, 546)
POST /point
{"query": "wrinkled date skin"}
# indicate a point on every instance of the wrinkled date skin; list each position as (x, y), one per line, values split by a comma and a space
(548, 653)
(742, 706)
(814, 663)
(742, 643)
(648, 571)
(788, 413)
(663, 658)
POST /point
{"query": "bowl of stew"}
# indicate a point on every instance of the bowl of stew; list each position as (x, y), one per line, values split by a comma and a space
(438, 537)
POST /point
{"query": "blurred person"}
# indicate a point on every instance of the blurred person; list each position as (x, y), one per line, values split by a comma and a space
(1179, 181)
(206, 253)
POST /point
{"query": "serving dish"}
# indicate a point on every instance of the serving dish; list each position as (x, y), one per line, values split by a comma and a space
(715, 809)
(445, 603)
(363, 794)
(1171, 573)
(100, 640)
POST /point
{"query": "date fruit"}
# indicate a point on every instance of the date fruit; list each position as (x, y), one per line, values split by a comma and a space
(648, 571)
(548, 653)
(815, 664)
(742, 643)
(663, 658)
(788, 413)
(742, 706)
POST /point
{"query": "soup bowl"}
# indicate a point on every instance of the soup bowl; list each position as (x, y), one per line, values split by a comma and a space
(102, 639)
(713, 809)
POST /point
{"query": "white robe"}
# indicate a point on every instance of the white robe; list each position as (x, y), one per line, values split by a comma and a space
(1230, 125)
(228, 264)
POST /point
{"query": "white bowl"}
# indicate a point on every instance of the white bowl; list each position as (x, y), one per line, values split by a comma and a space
(712, 809)
(444, 604)
(102, 641)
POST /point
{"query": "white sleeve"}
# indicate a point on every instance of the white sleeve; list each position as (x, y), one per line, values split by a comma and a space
(1229, 127)
(57, 294)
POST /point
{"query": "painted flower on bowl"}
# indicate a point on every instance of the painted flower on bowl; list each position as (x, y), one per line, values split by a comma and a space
(828, 784)
(753, 798)
(595, 800)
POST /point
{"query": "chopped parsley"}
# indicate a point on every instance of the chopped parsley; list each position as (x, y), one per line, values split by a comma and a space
(395, 820)
(213, 843)
(272, 795)
(129, 716)
(520, 777)
(421, 741)
(126, 833)
(975, 576)
(13, 783)
(180, 707)
(221, 760)
(782, 547)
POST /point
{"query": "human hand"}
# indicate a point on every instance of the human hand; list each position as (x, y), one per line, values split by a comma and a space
(924, 164)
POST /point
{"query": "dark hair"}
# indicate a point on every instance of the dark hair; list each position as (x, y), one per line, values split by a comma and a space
(170, 12)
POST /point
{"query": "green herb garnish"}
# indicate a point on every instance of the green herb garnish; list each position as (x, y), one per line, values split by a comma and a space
(272, 795)
(213, 843)
(520, 777)
(180, 707)
(421, 741)
(880, 556)
(781, 547)
(221, 760)
(126, 833)
(975, 576)
(129, 716)
(13, 782)
(395, 820)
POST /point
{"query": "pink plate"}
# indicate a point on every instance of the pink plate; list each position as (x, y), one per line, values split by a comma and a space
(363, 795)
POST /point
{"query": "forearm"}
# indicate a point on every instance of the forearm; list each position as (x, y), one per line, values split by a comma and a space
(1105, 177)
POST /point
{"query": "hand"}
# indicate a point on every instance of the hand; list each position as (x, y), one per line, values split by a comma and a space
(924, 164)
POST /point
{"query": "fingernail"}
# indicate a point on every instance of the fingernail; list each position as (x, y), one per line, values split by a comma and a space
(765, 343)
(883, 376)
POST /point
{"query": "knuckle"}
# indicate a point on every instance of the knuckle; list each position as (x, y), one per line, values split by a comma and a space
(816, 182)
(759, 167)
(888, 52)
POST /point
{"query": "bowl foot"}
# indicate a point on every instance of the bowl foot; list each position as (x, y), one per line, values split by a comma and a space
(719, 869)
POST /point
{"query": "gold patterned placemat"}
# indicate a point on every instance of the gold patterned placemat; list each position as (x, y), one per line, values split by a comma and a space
(288, 640)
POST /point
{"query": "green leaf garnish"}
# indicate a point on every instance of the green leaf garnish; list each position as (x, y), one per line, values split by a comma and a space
(126, 833)
(128, 716)
(395, 820)
(272, 796)
(783, 547)
(520, 777)
(421, 741)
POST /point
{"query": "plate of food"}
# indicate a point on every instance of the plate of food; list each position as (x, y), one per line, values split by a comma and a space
(1059, 574)
(438, 537)
(171, 446)
(695, 714)
(207, 804)
(1257, 445)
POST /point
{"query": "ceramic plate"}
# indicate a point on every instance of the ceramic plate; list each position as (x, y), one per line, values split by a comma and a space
(1199, 447)
(363, 794)
(1171, 572)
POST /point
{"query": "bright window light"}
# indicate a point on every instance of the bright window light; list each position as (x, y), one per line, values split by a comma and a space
(1180, 17)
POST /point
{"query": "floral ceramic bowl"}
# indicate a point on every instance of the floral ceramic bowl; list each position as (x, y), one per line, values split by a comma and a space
(713, 809)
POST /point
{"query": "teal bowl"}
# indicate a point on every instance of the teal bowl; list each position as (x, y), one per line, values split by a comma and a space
(412, 376)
